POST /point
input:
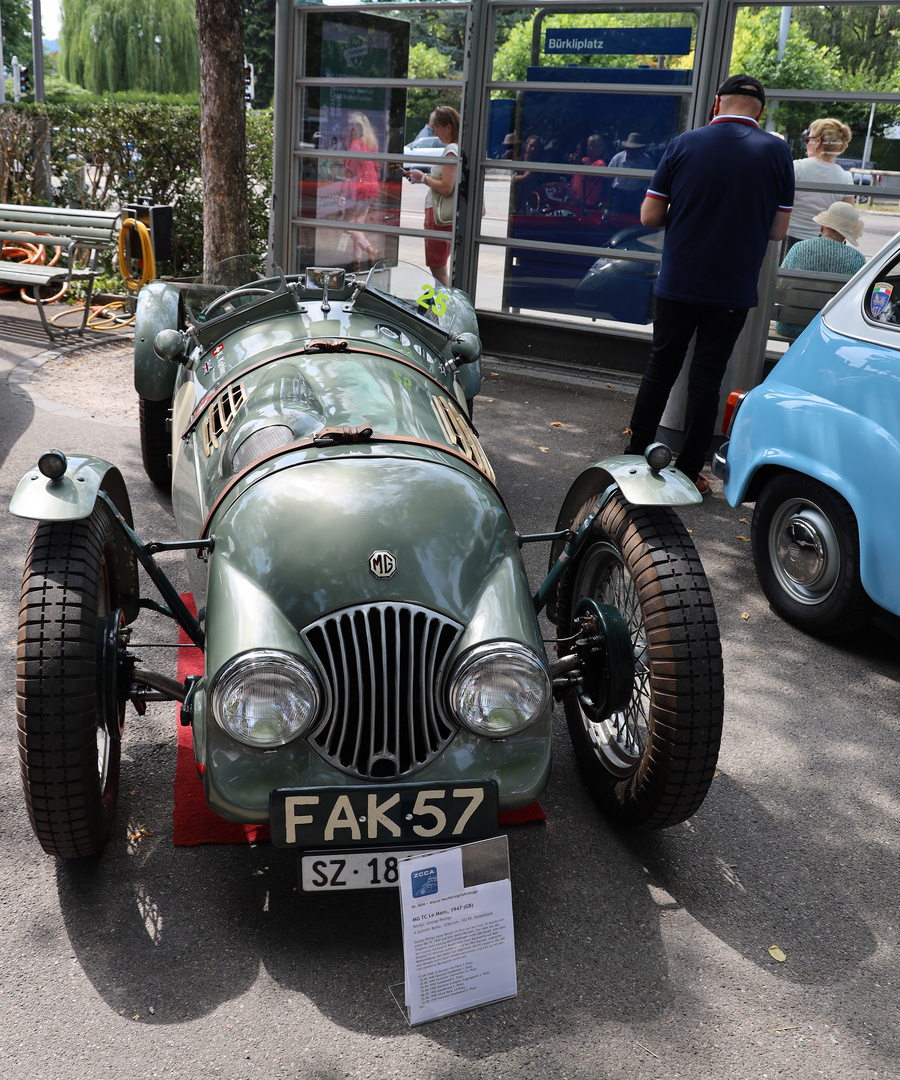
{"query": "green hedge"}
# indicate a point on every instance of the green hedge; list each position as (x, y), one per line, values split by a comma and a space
(104, 156)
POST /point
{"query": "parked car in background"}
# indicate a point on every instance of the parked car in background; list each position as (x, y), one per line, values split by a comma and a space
(816, 447)
(622, 289)
(427, 146)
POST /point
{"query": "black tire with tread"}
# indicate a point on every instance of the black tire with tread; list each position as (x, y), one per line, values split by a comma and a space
(840, 609)
(642, 559)
(156, 442)
(70, 581)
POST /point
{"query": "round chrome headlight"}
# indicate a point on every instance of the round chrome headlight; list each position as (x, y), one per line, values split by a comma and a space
(499, 688)
(265, 698)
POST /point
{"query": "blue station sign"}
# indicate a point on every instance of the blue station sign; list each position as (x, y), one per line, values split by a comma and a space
(651, 40)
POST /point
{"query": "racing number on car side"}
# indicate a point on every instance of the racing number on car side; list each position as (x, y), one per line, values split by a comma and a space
(354, 816)
(430, 298)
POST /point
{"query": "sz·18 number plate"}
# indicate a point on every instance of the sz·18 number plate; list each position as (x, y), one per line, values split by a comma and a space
(344, 871)
(383, 814)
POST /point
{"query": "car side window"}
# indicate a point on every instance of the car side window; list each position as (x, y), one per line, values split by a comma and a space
(882, 302)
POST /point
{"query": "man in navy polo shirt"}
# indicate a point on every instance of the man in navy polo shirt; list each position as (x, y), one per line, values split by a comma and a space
(722, 192)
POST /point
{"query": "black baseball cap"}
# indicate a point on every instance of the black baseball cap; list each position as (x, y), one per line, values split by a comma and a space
(742, 84)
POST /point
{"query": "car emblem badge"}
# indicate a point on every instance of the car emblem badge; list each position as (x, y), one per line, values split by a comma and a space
(382, 564)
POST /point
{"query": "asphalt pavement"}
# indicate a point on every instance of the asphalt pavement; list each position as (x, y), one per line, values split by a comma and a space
(639, 955)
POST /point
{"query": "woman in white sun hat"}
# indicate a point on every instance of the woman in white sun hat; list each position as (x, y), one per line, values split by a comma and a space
(828, 252)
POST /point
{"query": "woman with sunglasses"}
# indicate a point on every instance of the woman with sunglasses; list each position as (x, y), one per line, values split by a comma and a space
(825, 141)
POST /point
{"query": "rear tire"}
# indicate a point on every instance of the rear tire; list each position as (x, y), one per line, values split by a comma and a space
(156, 442)
(806, 549)
(69, 719)
(649, 763)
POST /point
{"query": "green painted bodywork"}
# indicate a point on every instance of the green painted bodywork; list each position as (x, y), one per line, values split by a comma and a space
(158, 308)
(293, 532)
(294, 544)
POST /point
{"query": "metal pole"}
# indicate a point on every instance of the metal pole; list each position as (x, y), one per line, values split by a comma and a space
(867, 149)
(783, 28)
(37, 50)
(2, 80)
(281, 242)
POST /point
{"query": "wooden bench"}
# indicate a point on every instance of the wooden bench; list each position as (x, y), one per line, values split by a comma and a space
(800, 295)
(56, 227)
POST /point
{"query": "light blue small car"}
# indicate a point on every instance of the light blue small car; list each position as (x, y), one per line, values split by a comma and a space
(817, 447)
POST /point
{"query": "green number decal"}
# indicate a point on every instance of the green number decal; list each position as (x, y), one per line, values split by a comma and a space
(437, 301)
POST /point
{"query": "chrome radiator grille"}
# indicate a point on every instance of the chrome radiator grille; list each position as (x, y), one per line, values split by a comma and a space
(383, 664)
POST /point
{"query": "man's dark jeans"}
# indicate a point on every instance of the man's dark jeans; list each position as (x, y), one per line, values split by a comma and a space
(674, 325)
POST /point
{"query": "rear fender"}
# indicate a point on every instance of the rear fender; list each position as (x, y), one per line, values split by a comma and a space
(159, 307)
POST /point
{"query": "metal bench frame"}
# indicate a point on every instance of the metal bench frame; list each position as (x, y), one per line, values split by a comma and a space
(55, 226)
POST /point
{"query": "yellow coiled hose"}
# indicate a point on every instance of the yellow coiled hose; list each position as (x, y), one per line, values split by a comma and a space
(105, 317)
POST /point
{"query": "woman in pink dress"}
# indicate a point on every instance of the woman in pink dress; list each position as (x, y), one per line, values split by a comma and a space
(360, 186)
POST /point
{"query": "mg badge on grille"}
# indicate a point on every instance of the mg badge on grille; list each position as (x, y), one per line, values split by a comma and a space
(382, 564)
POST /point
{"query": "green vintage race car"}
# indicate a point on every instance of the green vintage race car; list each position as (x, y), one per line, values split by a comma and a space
(374, 673)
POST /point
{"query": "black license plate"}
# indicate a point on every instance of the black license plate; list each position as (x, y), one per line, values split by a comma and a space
(383, 814)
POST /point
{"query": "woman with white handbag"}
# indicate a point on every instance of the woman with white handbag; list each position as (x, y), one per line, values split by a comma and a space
(441, 197)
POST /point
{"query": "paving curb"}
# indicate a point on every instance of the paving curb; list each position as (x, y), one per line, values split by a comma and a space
(19, 381)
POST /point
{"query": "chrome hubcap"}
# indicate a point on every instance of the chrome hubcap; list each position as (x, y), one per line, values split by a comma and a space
(804, 552)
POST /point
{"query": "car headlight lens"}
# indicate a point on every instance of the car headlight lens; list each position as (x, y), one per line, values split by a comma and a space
(265, 698)
(498, 689)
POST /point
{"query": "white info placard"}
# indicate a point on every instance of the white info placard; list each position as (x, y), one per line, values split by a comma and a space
(458, 945)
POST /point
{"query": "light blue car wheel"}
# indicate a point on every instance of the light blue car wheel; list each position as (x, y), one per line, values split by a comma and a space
(806, 550)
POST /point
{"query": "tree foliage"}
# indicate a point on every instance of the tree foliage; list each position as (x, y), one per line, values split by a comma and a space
(259, 48)
(824, 51)
(150, 45)
(15, 16)
(867, 36)
(107, 155)
(427, 62)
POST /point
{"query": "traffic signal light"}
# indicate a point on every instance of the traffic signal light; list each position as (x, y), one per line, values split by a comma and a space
(23, 79)
(249, 86)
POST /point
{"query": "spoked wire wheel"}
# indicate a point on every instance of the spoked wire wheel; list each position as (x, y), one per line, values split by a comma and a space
(619, 734)
(647, 748)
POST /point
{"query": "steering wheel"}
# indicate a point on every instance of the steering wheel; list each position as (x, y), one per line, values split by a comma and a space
(244, 290)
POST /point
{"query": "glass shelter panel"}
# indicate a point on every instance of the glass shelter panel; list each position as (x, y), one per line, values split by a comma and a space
(583, 103)
(566, 109)
(360, 119)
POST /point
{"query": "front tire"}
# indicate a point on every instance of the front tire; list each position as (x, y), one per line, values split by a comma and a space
(806, 550)
(69, 717)
(156, 440)
(648, 760)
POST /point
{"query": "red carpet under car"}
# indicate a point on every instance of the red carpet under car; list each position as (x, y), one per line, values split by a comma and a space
(195, 823)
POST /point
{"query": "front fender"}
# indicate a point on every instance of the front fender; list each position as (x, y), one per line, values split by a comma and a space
(158, 308)
(71, 498)
(640, 485)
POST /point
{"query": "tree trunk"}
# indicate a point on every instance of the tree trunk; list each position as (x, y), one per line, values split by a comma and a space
(223, 131)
